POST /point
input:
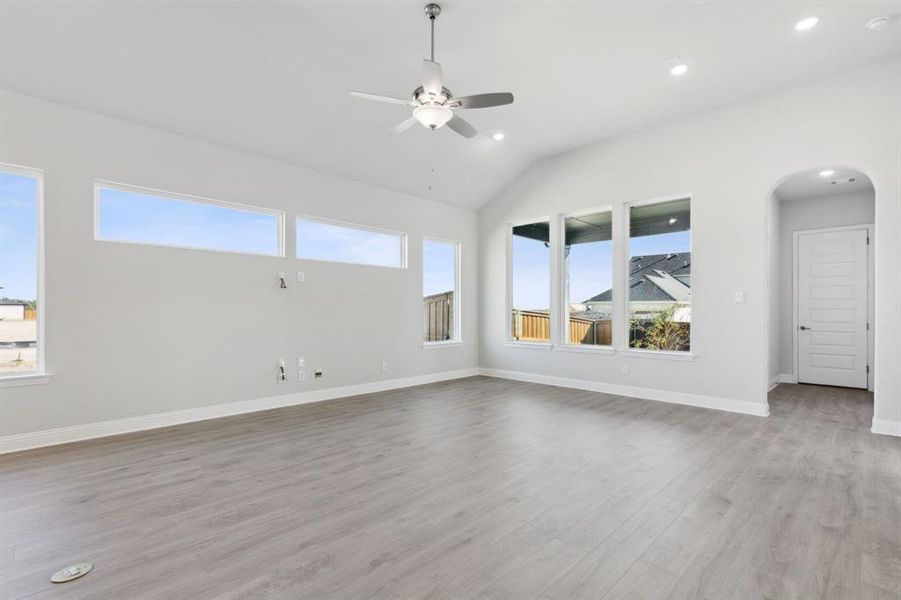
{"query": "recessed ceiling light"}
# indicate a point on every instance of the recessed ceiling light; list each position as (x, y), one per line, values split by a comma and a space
(498, 136)
(878, 24)
(827, 172)
(678, 69)
(808, 23)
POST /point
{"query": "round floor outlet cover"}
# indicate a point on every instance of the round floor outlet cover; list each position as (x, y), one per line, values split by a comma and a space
(72, 572)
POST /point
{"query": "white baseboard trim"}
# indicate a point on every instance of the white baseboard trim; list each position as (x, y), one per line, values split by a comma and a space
(787, 378)
(737, 406)
(883, 427)
(88, 431)
(772, 383)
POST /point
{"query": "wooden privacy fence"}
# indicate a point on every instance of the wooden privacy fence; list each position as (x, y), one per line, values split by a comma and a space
(31, 314)
(438, 317)
(536, 326)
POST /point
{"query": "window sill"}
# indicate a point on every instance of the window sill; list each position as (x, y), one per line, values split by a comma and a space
(535, 345)
(586, 349)
(447, 344)
(659, 354)
(28, 379)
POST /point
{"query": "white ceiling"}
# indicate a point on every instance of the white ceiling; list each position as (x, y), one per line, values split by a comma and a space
(810, 184)
(273, 77)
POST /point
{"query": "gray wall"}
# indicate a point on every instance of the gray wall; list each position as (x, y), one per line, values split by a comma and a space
(811, 213)
(135, 330)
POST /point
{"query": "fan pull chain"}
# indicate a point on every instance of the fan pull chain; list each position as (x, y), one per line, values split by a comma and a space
(431, 159)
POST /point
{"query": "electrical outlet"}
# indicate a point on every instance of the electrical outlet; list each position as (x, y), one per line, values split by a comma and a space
(624, 370)
(301, 363)
(384, 365)
(282, 373)
(317, 374)
(300, 277)
(282, 280)
(301, 375)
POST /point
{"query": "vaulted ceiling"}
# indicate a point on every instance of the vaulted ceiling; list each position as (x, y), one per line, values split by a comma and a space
(273, 77)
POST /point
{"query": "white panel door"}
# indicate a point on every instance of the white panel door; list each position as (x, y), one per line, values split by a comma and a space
(832, 308)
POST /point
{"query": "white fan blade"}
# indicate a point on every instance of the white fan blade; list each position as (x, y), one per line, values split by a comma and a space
(403, 126)
(381, 98)
(483, 100)
(462, 127)
(431, 78)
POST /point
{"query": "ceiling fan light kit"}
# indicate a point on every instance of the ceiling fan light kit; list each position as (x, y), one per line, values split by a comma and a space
(433, 104)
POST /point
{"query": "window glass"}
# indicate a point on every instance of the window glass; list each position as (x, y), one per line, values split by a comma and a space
(19, 273)
(439, 283)
(588, 278)
(341, 242)
(530, 279)
(660, 276)
(149, 218)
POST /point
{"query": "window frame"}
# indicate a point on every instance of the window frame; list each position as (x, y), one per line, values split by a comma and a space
(457, 339)
(563, 342)
(39, 374)
(404, 245)
(553, 293)
(623, 346)
(101, 184)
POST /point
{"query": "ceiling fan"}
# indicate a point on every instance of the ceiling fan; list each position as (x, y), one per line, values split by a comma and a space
(432, 103)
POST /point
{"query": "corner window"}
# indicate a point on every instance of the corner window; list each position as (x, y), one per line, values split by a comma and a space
(530, 272)
(321, 239)
(660, 276)
(440, 302)
(140, 216)
(21, 305)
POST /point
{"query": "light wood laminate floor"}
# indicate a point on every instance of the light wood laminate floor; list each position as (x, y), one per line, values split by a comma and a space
(476, 488)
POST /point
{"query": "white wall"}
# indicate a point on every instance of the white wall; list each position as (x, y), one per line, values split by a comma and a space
(811, 213)
(730, 160)
(134, 330)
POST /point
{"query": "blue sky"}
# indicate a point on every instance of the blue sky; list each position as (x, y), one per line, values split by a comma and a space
(317, 240)
(589, 268)
(438, 259)
(18, 236)
(136, 217)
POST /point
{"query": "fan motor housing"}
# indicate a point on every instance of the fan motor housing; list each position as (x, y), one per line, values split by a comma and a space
(420, 96)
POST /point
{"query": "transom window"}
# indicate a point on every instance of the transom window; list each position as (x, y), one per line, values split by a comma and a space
(141, 216)
(334, 241)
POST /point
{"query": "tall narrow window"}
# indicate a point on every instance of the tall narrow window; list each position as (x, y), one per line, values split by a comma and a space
(320, 239)
(660, 276)
(588, 278)
(127, 214)
(530, 273)
(440, 302)
(20, 239)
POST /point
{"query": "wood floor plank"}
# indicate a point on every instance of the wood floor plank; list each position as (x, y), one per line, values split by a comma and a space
(475, 488)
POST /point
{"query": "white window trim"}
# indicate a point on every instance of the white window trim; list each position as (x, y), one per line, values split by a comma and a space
(554, 294)
(562, 343)
(457, 340)
(348, 225)
(101, 184)
(623, 344)
(39, 375)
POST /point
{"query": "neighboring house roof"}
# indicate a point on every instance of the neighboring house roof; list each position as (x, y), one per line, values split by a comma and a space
(13, 303)
(656, 278)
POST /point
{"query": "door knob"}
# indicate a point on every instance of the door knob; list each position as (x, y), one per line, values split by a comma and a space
(803, 327)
